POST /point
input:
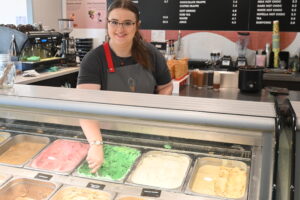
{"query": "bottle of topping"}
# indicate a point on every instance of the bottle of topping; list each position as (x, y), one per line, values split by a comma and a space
(295, 64)
(276, 43)
(179, 46)
(268, 51)
(260, 59)
(200, 79)
(217, 80)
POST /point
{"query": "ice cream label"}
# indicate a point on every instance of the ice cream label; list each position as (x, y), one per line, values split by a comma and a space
(146, 192)
(95, 186)
(41, 176)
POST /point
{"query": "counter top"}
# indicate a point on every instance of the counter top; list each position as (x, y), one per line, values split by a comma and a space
(227, 93)
(296, 107)
(46, 75)
(235, 113)
(293, 77)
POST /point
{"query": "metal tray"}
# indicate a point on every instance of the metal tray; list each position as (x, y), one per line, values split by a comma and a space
(4, 178)
(75, 173)
(31, 188)
(82, 192)
(132, 197)
(172, 170)
(215, 162)
(66, 172)
(19, 139)
(4, 137)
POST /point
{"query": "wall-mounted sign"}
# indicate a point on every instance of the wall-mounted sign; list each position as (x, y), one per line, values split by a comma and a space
(253, 15)
(87, 13)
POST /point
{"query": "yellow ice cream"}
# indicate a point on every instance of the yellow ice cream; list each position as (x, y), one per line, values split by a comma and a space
(77, 193)
(20, 152)
(220, 181)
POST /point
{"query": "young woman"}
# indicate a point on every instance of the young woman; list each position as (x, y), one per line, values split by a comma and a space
(124, 63)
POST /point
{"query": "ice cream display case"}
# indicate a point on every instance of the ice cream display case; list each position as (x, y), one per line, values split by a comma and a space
(156, 147)
(296, 108)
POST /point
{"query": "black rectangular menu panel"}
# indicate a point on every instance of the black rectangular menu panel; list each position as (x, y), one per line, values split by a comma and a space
(194, 14)
(253, 15)
(264, 12)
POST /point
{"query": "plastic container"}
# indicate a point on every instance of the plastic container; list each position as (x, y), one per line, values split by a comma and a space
(73, 192)
(4, 178)
(25, 188)
(132, 197)
(7, 71)
(221, 178)
(4, 136)
(18, 150)
(153, 170)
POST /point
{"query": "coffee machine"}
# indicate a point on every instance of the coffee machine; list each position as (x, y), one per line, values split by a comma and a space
(43, 44)
(241, 44)
(67, 47)
(41, 50)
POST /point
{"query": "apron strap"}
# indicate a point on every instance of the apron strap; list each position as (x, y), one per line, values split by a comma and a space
(111, 67)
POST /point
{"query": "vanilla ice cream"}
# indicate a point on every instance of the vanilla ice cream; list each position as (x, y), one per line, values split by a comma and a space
(161, 169)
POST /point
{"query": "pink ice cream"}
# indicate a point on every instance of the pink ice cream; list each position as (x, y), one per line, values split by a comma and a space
(61, 156)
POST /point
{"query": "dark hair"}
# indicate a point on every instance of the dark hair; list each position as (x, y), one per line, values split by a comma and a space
(139, 51)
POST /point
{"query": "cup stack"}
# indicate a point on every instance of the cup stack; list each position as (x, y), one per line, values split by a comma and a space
(83, 46)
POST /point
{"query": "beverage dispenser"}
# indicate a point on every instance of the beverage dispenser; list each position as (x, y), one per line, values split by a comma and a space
(241, 44)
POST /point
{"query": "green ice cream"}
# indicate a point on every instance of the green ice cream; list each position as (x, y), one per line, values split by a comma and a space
(117, 163)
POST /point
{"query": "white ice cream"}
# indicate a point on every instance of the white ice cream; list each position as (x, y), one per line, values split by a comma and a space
(161, 169)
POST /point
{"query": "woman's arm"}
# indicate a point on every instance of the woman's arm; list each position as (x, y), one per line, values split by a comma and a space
(91, 130)
(165, 89)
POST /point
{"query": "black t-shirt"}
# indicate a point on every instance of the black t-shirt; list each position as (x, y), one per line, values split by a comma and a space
(93, 68)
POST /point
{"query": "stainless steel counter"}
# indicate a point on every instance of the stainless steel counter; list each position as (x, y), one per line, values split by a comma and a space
(296, 107)
(293, 77)
(46, 75)
(230, 121)
(227, 93)
(235, 113)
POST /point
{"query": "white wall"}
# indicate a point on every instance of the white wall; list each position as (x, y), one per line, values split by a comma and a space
(47, 12)
(13, 12)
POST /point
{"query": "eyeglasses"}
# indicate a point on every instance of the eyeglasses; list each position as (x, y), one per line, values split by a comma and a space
(125, 24)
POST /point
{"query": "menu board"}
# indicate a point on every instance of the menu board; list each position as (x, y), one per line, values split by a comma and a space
(194, 14)
(264, 12)
(253, 15)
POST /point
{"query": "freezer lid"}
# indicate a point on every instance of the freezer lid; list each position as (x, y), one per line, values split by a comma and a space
(296, 107)
(233, 107)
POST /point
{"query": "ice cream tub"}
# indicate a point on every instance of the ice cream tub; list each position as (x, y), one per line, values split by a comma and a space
(61, 156)
(4, 136)
(74, 192)
(222, 178)
(161, 170)
(4, 178)
(118, 161)
(24, 188)
(131, 197)
(18, 150)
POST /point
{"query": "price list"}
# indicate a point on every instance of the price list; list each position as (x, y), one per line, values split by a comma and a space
(254, 15)
(266, 11)
(194, 14)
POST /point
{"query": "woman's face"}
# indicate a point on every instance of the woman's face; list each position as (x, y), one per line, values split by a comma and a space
(121, 26)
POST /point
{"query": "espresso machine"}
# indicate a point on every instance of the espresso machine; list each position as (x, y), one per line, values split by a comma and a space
(241, 44)
(67, 47)
(40, 50)
(43, 44)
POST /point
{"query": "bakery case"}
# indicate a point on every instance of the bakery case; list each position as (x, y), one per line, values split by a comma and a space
(156, 147)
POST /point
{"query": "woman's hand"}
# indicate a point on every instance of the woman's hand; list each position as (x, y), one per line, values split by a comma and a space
(95, 157)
